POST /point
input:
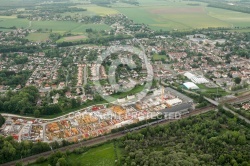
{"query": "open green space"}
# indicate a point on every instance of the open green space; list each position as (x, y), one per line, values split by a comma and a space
(179, 15)
(212, 91)
(56, 26)
(103, 155)
(232, 17)
(158, 57)
(38, 36)
(98, 10)
(11, 22)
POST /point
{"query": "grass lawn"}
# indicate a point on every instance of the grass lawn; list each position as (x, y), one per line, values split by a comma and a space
(99, 156)
(158, 57)
(38, 36)
(135, 90)
(205, 90)
(103, 155)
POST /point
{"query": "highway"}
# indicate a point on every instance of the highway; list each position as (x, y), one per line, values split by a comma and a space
(102, 139)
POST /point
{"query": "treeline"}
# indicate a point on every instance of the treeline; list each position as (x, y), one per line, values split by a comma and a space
(11, 150)
(131, 2)
(199, 140)
(27, 49)
(58, 9)
(99, 41)
(230, 7)
(2, 120)
(240, 111)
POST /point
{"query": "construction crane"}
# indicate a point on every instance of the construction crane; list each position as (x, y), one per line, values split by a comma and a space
(162, 94)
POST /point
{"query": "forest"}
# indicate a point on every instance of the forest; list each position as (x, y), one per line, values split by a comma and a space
(215, 138)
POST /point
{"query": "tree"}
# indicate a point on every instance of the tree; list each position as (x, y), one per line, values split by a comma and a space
(237, 80)
(37, 113)
(2, 120)
(61, 162)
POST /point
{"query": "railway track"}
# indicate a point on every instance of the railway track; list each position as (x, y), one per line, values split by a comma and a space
(238, 99)
(104, 138)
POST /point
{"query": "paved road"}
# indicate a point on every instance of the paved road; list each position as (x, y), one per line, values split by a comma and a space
(85, 74)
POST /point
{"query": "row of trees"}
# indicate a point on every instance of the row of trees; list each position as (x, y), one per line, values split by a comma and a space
(2, 120)
(11, 150)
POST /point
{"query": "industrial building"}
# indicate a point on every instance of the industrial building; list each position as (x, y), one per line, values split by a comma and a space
(190, 85)
(196, 79)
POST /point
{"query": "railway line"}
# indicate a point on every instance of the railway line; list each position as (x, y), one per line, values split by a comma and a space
(240, 99)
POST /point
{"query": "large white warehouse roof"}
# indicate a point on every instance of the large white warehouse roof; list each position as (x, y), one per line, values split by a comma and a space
(196, 79)
(190, 85)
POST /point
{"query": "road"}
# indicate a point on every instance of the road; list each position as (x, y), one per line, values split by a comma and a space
(101, 139)
(85, 74)
(241, 117)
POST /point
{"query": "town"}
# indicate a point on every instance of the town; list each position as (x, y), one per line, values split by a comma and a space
(195, 63)
(124, 82)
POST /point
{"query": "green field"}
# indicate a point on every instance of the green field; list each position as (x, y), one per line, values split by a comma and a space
(8, 22)
(179, 15)
(103, 155)
(208, 91)
(72, 38)
(158, 57)
(56, 26)
(158, 14)
(98, 10)
(38, 36)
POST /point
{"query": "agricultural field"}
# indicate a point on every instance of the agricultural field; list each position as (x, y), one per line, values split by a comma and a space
(99, 10)
(56, 26)
(72, 38)
(232, 17)
(181, 16)
(38, 36)
(7, 22)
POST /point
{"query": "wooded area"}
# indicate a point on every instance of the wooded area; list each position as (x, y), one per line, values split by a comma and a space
(215, 138)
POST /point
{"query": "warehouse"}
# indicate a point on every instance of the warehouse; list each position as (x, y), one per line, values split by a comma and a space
(196, 79)
(191, 85)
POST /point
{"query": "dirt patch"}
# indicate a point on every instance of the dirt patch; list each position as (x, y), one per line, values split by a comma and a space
(177, 10)
(71, 38)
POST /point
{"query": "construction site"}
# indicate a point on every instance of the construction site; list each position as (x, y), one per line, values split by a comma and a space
(95, 120)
